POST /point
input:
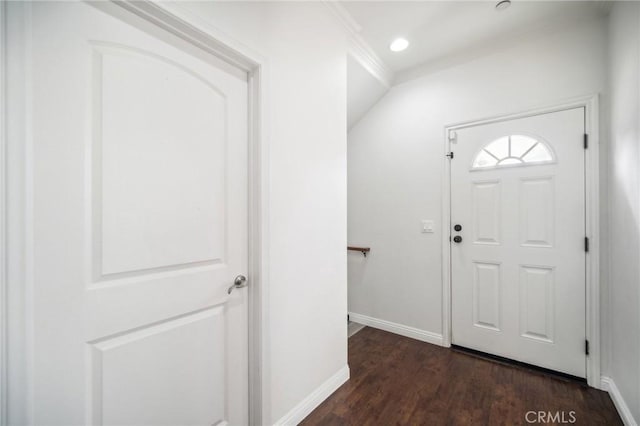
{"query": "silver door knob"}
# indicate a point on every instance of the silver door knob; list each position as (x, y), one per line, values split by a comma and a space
(239, 282)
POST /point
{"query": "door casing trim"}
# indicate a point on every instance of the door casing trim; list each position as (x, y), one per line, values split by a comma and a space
(3, 218)
(592, 223)
(14, 277)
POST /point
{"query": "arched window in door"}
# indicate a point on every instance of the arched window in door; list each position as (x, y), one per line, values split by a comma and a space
(513, 150)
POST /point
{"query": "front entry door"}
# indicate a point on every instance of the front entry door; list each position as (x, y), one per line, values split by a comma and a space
(518, 240)
(138, 176)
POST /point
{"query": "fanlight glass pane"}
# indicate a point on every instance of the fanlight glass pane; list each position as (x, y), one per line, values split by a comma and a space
(537, 154)
(512, 150)
(521, 144)
(483, 159)
(499, 148)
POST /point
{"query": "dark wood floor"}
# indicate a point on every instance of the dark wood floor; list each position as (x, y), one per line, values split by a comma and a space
(397, 380)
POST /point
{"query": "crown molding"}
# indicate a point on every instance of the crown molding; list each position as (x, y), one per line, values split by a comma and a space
(345, 18)
(362, 52)
(359, 49)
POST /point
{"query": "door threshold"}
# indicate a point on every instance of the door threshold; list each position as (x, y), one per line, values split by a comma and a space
(523, 365)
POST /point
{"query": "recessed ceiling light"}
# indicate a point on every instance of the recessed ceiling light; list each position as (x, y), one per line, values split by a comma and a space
(398, 45)
(502, 5)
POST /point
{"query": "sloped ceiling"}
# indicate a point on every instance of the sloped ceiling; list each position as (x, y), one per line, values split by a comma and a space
(437, 29)
(440, 32)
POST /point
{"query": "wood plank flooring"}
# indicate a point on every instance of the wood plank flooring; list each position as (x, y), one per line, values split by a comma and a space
(400, 381)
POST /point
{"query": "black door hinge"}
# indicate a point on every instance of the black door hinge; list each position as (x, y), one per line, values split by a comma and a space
(586, 347)
(586, 141)
(586, 244)
(450, 155)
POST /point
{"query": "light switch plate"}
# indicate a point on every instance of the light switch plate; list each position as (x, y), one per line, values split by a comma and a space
(427, 227)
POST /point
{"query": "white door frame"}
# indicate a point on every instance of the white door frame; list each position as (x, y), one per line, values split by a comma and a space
(3, 219)
(592, 206)
(193, 29)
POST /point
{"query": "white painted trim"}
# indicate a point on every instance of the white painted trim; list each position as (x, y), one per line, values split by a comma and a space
(3, 219)
(315, 398)
(402, 330)
(346, 19)
(17, 208)
(623, 409)
(193, 29)
(359, 49)
(592, 227)
(446, 242)
(364, 54)
(592, 223)
(259, 378)
(185, 24)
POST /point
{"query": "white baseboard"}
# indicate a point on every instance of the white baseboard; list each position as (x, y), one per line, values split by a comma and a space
(307, 405)
(623, 409)
(403, 330)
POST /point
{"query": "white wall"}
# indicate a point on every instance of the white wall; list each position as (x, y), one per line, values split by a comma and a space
(624, 196)
(306, 115)
(363, 91)
(395, 158)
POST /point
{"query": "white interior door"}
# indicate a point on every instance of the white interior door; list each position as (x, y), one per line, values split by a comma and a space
(518, 260)
(138, 172)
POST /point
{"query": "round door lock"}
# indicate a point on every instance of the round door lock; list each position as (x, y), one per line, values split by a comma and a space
(239, 282)
(457, 239)
(457, 228)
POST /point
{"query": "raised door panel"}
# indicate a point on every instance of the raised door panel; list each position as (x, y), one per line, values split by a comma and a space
(537, 211)
(537, 303)
(158, 164)
(486, 295)
(486, 212)
(166, 374)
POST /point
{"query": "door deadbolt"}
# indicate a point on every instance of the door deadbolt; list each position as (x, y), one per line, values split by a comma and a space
(457, 228)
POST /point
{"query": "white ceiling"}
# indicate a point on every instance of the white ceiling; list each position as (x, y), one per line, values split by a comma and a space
(440, 29)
